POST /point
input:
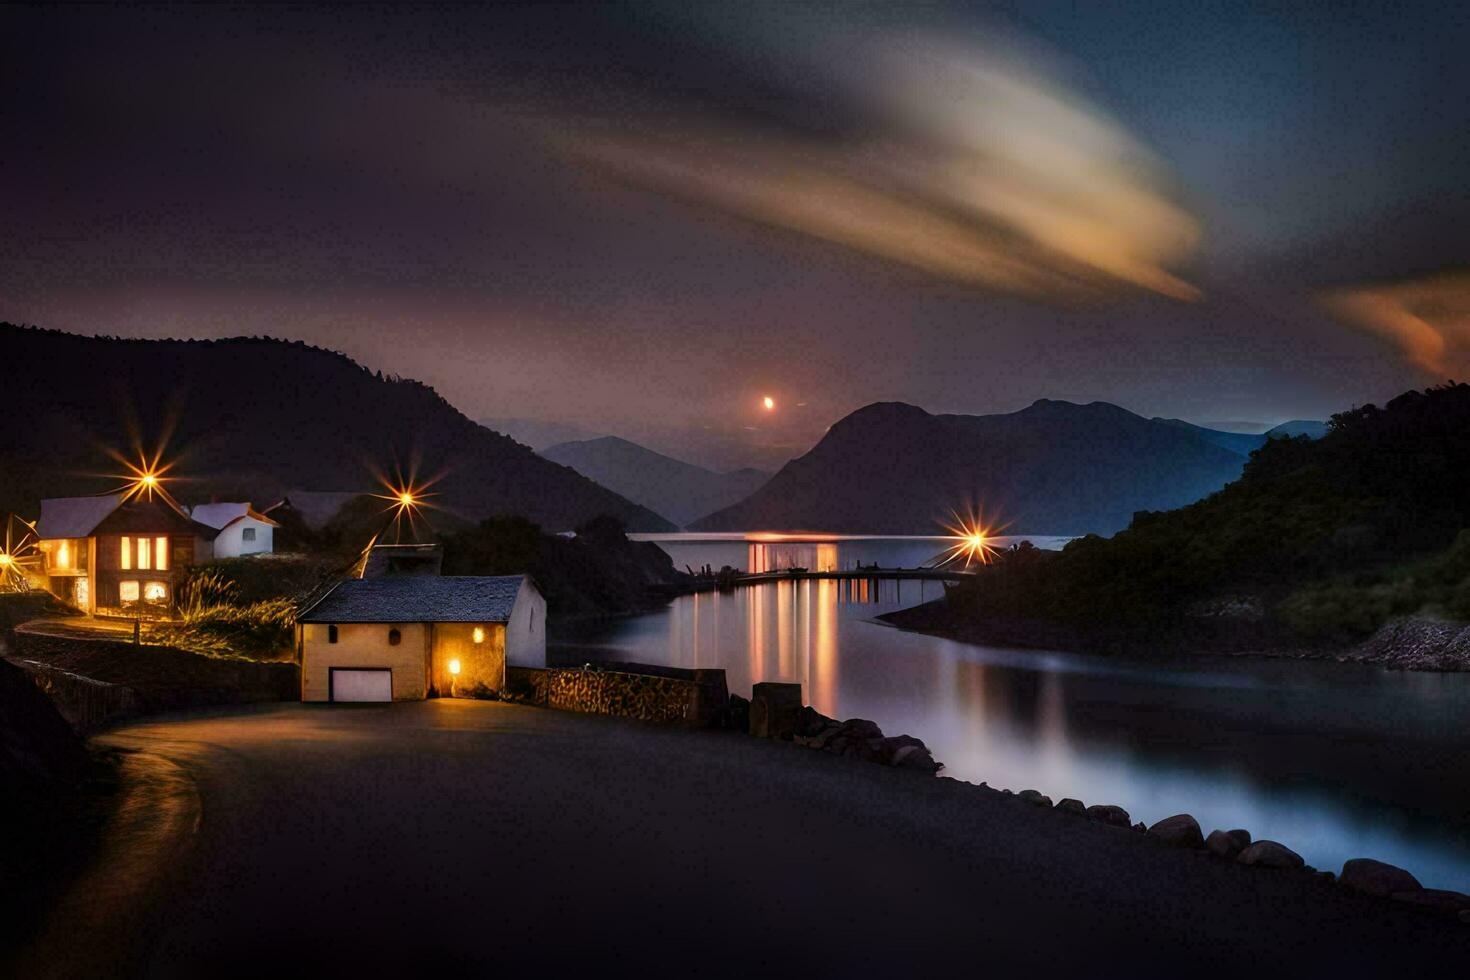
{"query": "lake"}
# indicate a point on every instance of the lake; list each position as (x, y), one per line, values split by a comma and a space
(1334, 760)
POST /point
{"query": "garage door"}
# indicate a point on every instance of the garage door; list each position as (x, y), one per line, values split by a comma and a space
(362, 685)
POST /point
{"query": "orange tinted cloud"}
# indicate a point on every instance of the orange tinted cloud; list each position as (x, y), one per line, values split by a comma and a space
(1427, 318)
(973, 164)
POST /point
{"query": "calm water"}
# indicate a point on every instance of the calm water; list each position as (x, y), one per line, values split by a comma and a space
(1336, 761)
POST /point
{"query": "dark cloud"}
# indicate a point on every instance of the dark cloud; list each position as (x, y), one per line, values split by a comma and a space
(428, 189)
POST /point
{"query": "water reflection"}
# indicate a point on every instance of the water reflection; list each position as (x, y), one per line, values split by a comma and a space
(1335, 760)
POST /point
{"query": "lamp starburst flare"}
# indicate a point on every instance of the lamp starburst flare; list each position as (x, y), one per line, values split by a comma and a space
(973, 541)
(21, 556)
(407, 499)
(144, 478)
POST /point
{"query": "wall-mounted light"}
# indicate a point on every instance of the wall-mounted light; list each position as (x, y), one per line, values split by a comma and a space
(454, 667)
(479, 635)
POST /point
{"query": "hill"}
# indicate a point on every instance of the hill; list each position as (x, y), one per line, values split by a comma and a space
(1052, 468)
(1298, 427)
(679, 491)
(538, 434)
(1246, 443)
(252, 417)
(1318, 541)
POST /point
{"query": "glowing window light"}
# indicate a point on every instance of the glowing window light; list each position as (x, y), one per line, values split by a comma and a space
(63, 555)
(454, 667)
(479, 635)
(127, 591)
(145, 554)
(155, 592)
(127, 553)
(160, 554)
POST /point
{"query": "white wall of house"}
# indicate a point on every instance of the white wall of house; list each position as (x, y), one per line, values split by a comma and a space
(246, 536)
(525, 631)
(365, 646)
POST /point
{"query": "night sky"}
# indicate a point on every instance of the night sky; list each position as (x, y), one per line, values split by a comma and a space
(645, 218)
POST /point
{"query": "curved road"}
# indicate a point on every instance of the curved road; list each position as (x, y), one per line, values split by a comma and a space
(472, 834)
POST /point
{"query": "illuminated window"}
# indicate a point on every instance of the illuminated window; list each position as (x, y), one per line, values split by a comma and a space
(394, 637)
(63, 555)
(127, 591)
(479, 635)
(127, 552)
(83, 594)
(331, 634)
(145, 553)
(160, 554)
(155, 592)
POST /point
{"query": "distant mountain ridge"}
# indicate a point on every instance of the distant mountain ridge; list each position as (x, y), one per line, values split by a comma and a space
(255, 417)
(1246, 443)
(1052, 468)
(675, 489)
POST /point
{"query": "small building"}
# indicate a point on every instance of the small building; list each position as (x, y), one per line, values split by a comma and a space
(119, 554)
(241, 529)
(403, 638)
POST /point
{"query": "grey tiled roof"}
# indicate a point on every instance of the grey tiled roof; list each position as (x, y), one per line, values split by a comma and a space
(74, 517)
(418, 599)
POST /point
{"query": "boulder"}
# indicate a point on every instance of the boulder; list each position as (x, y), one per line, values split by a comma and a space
(773, 709)
(1034, 797)
(1465, 917)
(1376, 878)
(1243, 837)
(1106, 813)
(1435, 899)
(915, 757)
(1141, 827)
(1223, 844)
(1270, 854)
(824, 738)
(1180, 830)
(810, 721)
(861, 728)
(1069, 805)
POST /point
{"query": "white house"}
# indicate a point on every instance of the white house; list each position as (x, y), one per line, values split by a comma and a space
(404, 638)
(242, 529)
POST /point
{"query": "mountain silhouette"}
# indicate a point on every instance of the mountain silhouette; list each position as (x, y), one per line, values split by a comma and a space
(248, 418)
(679, 491)
(1052, 468)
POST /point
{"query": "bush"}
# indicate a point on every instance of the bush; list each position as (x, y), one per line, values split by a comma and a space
(258, 631)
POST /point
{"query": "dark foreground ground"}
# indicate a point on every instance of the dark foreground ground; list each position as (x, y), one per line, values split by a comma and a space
(471, 834)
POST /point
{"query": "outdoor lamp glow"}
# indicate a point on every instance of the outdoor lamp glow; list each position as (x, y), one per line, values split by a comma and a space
(454, 667)
(479, 635)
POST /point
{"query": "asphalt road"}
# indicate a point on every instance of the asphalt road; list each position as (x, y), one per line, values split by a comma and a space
(483, 836)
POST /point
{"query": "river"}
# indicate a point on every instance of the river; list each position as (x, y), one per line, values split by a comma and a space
(1334, 760)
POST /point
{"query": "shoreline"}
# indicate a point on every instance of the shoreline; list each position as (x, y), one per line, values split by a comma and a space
(1416, 642)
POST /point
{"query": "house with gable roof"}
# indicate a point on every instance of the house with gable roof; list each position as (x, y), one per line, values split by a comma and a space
(119, 554)
(407, 637)
(240, 529)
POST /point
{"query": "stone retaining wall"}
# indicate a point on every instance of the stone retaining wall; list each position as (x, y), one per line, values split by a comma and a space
(161, 678)
(86, 704)
(697, 698)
